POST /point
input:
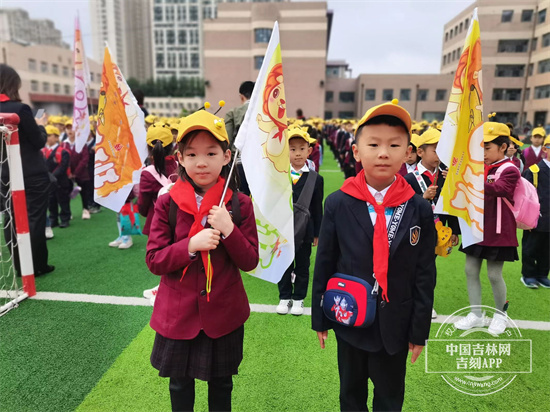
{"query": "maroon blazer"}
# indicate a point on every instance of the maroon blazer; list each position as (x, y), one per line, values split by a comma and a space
(181, 309)
(504, 187)
(148, 192)
(315, 156)
(531, 159)
(79, 161)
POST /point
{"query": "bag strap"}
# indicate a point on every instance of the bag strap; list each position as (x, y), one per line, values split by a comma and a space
(307, 191)
(163, 180)
(236, 209)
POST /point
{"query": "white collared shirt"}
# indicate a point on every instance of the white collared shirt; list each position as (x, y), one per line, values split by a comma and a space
(536, 150)
(411, 168)
(199, 198)
(304, 169)
(422, 169)
(379, 197)
(547, 162)
(52, 147)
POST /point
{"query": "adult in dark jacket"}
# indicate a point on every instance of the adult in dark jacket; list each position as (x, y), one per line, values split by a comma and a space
(32, 137)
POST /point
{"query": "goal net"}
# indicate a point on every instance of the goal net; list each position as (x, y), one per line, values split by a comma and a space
(15, 237)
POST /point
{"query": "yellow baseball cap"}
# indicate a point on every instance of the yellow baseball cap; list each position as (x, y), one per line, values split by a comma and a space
(52, 130)
(540, 131)
(203, 120)
(69, 122)
(297, 131)
(415, 139)
(151, 119)
(430, 136)
(388, 109)
(492, 130)
(159, 131)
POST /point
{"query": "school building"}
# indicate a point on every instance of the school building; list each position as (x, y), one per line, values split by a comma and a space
(515, 39)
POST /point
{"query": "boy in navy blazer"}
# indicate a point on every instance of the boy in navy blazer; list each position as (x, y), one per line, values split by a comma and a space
(354, 241)
(535, 259)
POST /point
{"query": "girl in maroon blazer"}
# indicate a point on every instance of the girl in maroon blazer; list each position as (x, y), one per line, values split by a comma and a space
(155, 177)
(195, 247)
(499, 237)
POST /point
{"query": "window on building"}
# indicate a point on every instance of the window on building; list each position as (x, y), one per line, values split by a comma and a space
(92, 93)
(169, 13)
(171, 60)
(456, 29)
(446, 36)
(92, 77)
(530, 70)
(541, 17)
(160, 60)
(65, 71)
(346, 115)
(55, 69)
(159, 37)
(193, 36)
(182, 14)
(506, 16)
(34, 86)
(32, 65)
(158, 13)
(44, 67)
(194, 60)
(509, 70)
(370, 94)
(161, 105)
(526, 15)
(444, 60)
(46, 87)
(422, 95)
(467, 23)
(440, 94)
(346, 97)
(193, 13)
(542, 92)
(546, 40)
(183, 62)
(328, 115)
(182, 37)
(57, 88)
(66, 89)
(258, 60)
(507, 94)
(512, 46)
(451, 34)
(527, 93)
(534, 43)
(387, 94)
(544, 66)
(170, 37)
(405, 95)
(507, 117)
(262, 35)
(329, 96)
(454, 55)
(460, 28)
(431, 116)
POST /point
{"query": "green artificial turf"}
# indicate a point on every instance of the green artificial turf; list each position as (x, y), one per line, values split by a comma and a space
(284, 369)
(53, 353)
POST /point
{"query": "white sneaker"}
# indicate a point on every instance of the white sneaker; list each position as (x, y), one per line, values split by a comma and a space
(498, 324)
(149, 293)
(85, 214)
(116, 242)
(470, 321)
(49, 233)
(126, 242)
(152, 300)
(434, 313)
(297, 308)
(283, 307)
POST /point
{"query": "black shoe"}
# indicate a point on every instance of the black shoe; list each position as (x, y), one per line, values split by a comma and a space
(47, 269)
(63, 225)
(54, 223)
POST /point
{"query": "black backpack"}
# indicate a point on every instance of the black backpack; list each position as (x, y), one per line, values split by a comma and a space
(301, 209)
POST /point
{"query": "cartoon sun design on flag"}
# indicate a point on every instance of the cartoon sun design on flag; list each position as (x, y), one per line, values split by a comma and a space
(275, 147)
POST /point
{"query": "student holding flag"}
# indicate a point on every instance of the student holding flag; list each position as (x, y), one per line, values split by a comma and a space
(198, 248)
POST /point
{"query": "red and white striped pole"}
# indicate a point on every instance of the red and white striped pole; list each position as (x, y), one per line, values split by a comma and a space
(10, 133)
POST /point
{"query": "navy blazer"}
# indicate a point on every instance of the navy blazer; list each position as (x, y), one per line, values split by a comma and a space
(543, 190)
(345, 246)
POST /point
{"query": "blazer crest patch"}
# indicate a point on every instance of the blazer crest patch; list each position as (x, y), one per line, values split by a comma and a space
(414, 235)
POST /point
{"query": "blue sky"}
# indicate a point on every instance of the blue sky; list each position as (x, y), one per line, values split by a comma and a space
(373, 36)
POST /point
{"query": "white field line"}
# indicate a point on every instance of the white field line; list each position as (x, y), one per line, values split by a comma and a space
(254, 307)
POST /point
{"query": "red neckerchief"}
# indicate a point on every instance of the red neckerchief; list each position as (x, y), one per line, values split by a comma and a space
(399, 192)
(4, 98)
(183, 195)
(493, 165)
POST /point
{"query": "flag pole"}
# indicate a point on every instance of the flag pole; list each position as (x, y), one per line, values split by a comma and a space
(229, 176)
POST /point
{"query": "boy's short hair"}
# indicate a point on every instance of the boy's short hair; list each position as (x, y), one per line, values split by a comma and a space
(384, 119)
(246, 89)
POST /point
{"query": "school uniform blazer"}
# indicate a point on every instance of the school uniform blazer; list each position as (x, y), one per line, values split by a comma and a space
(543, 190)
(181, 309)
(504, 187)
(79, 161)
(148, 192)
(531, 158)
(59, 170)
(345, 246)
(315, 207)
(447, 220)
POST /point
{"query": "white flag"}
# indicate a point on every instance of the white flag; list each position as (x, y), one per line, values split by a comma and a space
(81, 121)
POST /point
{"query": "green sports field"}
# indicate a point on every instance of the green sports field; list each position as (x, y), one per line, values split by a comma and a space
(64, 356)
